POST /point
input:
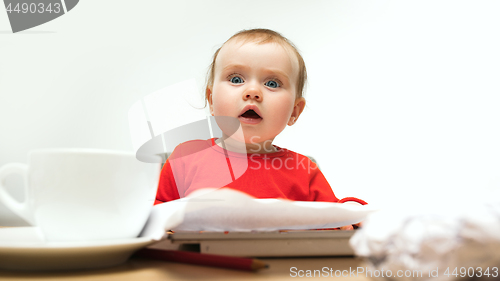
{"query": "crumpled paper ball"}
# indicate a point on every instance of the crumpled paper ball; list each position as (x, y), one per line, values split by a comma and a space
(432, 244)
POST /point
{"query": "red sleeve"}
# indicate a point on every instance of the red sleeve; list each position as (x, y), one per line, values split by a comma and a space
(319, 188)
(167, 188)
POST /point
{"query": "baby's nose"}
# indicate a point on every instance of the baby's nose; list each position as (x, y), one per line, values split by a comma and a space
(253, 93)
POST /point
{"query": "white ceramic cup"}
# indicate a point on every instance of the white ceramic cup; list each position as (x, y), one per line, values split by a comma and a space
(84, 194)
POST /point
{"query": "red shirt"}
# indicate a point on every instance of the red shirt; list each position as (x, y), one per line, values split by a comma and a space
(283, 174)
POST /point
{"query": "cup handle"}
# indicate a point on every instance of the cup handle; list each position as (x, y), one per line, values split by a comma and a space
(19, 208)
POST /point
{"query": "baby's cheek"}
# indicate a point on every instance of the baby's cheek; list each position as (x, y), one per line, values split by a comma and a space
(281, 121)
(287, 111)
(221, 107)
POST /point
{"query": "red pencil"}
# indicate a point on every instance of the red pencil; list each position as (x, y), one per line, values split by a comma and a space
(203, 259)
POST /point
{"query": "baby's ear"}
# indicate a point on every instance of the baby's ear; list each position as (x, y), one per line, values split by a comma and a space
(208, 96)
(300, 103)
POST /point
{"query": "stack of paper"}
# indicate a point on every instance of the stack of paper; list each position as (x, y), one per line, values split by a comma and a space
(230, 210)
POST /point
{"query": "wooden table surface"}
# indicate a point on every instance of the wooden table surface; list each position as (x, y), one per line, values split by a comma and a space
(138, 269)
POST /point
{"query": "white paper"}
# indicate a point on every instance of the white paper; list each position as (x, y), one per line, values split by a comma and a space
(431, 240)
(230, 210)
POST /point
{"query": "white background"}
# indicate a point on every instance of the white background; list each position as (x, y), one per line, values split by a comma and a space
(403, 98)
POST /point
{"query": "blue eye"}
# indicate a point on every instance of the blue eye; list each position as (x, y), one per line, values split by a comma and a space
(272, 84)
(236, 80)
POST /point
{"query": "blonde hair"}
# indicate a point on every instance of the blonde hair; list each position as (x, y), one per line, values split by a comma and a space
(262, 36)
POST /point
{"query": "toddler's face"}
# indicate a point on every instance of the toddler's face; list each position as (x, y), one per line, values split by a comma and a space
(256, 84)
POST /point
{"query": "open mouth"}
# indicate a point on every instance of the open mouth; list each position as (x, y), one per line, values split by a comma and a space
(251, 114)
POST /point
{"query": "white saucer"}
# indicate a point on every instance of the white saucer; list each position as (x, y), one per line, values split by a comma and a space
(21, 248)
